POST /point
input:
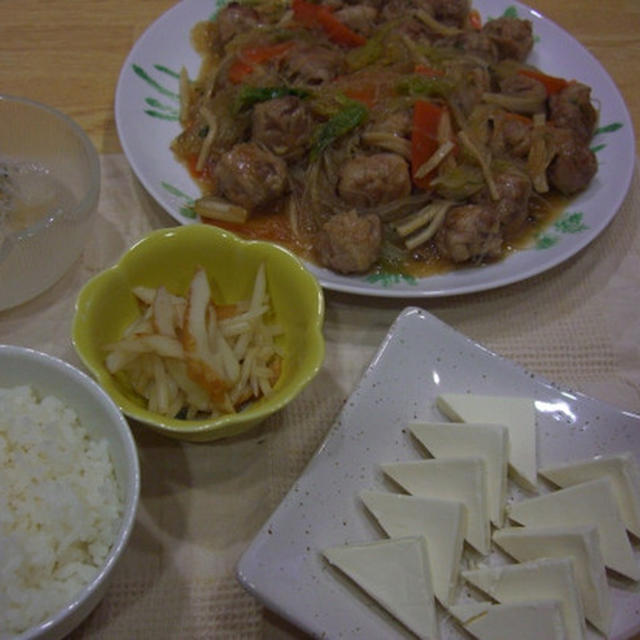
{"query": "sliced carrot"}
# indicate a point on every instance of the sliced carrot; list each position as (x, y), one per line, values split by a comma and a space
(313, 15)
(366, 94)
(475, 20)
(551, 83)
(511, 115)
(424, 137)
(251, 56)
(430, 72)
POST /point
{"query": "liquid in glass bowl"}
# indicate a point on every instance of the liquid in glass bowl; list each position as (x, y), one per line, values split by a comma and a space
(49, 187)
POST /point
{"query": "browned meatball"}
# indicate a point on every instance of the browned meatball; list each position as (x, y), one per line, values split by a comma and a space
(513, 37)
(250, 176)
(511, 136)
(369, 180)
(529, 95)
(475, 43)
(472, 81)
(282, 125)
(514, 189)
(349, 243)
(452, 12)
(470, 233)
(571, 108)
(574, 164)
(233, 19)
(312, 64)
(396, 123)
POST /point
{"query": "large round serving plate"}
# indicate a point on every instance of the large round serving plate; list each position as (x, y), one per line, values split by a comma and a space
(146, 110)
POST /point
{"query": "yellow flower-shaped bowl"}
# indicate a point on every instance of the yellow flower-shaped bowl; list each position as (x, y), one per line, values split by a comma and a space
(106, 306)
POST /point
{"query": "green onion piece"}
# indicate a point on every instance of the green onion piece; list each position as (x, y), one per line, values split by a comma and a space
(248, 95)
(350, 117)
(369, 52)
(418, 85)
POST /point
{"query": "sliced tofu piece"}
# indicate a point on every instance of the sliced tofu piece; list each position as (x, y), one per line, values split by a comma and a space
(517, 414)
(623, 471)
(589, 503)
(491, 441)
(579, 543)
(442, 522)
(535, 580)
(461, 479)
(533, 620)
(395, 573)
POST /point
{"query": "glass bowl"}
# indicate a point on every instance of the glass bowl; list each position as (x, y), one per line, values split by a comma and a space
(49, 187)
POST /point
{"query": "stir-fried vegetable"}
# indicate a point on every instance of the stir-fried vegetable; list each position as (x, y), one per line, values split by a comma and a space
(351, 116)
(398, 112)
(424, 85)
(370, 52)
(249, 95)
(551, 83)
(252, 56)
(313, 15)
(424, 138)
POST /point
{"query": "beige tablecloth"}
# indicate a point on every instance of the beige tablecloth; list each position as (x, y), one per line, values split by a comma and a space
(201, 504)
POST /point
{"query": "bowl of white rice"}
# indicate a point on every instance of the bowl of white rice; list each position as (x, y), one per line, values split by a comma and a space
(69, 490)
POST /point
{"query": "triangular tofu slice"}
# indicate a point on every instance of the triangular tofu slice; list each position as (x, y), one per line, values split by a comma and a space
(591, 502)
(396, 574)
(442, 522)
(537, 579)
(491, 441)
(460, 479)
(518, 414)
(623, 471)
(579, 543)
(533, 620)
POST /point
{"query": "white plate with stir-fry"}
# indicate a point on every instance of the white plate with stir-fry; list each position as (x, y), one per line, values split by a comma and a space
(414, 186)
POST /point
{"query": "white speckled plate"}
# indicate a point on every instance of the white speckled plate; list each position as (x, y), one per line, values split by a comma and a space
(420, 358)
(146, 111)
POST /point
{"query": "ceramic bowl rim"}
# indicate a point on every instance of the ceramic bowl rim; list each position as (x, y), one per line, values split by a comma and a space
(228, 424)
(130, 493)
(89, 200)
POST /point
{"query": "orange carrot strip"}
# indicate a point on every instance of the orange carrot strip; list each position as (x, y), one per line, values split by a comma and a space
(313, 15)
(424, 137)
(252, 56)
(551, 83)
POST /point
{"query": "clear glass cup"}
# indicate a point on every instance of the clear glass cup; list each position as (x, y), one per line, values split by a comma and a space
(49, 188)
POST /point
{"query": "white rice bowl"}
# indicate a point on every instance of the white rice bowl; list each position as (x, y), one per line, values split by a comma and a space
(69, 486)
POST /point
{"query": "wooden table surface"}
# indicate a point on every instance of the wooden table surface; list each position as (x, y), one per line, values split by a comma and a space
(69, 53)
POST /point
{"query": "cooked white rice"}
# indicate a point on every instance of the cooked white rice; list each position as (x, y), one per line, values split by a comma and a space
(59, 507)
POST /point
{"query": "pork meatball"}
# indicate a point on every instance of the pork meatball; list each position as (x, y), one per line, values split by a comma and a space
(574, 164)
(529, 95)
(349, 243)
(312, 64)
(470, 233)
(451, 12)
(513, 37)
(366, 181)
(283, 126)
(514, 190)
(250, 176)
(571, 108)
(233, 19)
(475, 43)
(511, 136)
